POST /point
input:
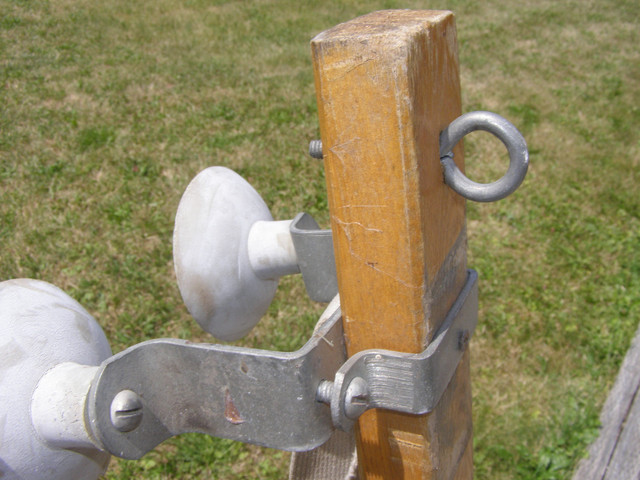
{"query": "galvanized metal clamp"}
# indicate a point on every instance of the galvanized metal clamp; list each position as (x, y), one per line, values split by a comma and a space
(290, 401)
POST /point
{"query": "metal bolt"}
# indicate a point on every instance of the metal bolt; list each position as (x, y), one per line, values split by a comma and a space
(356, 399)
(324, 391)
(315, 149)
(126, 411)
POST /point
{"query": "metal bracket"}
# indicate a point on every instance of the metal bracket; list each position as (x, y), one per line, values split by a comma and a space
(161, 388)
(314, 249)
(409, 383)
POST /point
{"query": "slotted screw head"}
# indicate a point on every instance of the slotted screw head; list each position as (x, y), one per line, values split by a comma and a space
(356, 400)
(126, 411)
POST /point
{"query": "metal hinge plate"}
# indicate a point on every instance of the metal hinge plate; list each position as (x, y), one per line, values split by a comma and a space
(274, 399)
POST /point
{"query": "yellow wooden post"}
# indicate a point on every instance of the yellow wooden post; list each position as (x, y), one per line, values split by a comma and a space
(387, 83)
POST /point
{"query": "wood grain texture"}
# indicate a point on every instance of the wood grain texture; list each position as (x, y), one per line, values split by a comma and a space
(614, 455)
(387, 83)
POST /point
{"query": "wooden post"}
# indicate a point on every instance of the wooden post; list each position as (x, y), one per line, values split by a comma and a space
(387, 83)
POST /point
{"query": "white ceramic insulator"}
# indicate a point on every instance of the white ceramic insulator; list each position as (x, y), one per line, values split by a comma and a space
(271, 251)
(58, 404)
(42, 327)
(210, 253)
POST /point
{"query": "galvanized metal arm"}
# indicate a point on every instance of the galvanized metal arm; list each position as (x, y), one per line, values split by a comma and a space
(162, 388)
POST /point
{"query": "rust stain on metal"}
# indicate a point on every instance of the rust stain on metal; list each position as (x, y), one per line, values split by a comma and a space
(231, 413)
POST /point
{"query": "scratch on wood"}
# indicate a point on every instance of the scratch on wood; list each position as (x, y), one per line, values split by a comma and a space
(344, 225)
(363, 206)
(338, 149)
(400, 441)
(404, 284)
(372, 265)
(351, 66)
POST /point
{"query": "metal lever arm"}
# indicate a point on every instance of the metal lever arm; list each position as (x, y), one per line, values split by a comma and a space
(255, 396)
(274, 399)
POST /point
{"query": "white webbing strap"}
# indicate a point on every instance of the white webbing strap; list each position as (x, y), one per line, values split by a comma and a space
(335, 460)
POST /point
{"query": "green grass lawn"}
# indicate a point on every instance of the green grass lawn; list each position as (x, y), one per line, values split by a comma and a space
(108, 109)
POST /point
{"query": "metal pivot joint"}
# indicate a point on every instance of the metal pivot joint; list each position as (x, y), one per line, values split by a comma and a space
(409, 383)
(290, 401)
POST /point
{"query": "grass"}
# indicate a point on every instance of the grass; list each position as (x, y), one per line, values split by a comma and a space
(108, 109)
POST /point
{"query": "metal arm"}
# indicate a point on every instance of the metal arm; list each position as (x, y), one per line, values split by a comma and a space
(269, 398)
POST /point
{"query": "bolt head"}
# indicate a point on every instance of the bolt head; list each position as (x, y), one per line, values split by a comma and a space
(126, 411)
(356, 399)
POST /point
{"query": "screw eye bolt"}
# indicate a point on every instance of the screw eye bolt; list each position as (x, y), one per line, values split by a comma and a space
(510, 137)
